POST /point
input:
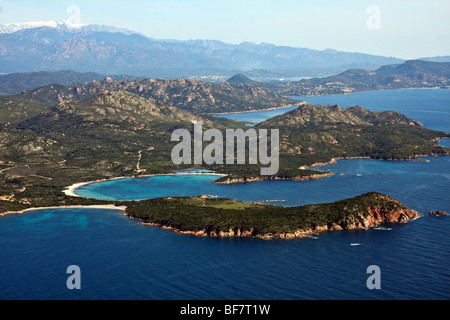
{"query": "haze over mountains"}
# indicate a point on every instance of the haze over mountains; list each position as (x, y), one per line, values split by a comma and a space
(15, 83)
(239, 93)
(54, 46)
(411, 74)
(61, 25)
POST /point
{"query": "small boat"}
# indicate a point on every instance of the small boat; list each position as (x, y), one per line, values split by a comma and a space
(383, 229)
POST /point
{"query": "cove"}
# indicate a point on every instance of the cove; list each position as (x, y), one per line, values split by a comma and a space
(121, 259)
(422, 186)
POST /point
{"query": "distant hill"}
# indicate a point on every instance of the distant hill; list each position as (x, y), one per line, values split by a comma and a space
(52, 46)
(15, 83)
(317, 134)
(410, 74)
(109, 133)
(308, 115)
(191, 95)
(14, 109)
(437, 59)
(241, 79)
(120, 108)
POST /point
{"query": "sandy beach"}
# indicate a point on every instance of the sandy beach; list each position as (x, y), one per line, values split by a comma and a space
(70, 191)
(269, 109)
(107, 207)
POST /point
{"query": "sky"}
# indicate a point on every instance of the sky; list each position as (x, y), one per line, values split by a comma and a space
(407, 29)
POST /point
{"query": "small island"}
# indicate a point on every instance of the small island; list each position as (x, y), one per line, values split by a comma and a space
(293, 175)
(212, 217)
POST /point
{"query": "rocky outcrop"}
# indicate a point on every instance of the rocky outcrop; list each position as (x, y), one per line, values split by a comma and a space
(438, 213)
(307, 115)
(383, 210)
(377, 215)
(191, 95)
(232, 180)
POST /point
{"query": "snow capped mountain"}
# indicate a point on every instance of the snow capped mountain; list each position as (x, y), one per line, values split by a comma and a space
(60, 45)
(14, 27)
(61, 25)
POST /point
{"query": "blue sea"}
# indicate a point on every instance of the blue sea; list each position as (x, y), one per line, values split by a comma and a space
(429, 106)
(121, 259)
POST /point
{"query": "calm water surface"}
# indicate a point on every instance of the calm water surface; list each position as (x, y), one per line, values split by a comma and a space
(429, 106)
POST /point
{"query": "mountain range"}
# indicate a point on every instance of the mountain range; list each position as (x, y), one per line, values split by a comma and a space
(55, 45)
(410, 74)
(61, 25)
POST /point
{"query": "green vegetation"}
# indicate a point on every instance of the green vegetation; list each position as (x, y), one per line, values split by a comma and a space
(44, 149)
(250, 174)
(194, 96)
(317, 134)
(8, 206)
(13, 109)
(223, 215)
(15, 83)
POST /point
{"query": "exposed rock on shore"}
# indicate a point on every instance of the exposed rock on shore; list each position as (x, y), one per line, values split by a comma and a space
(232, 180)
(359, 213)
(438, 213)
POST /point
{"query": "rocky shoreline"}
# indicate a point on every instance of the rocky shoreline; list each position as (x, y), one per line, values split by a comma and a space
(332, 161)
(374, 217)
(105, 207)
(335, 160)
(265, 178)
(438, 213)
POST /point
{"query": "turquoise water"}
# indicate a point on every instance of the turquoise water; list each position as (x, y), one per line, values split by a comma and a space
(421, 185)
(120, 259)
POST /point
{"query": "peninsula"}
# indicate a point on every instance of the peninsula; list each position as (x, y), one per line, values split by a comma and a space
(203, 217)
(410, 74)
